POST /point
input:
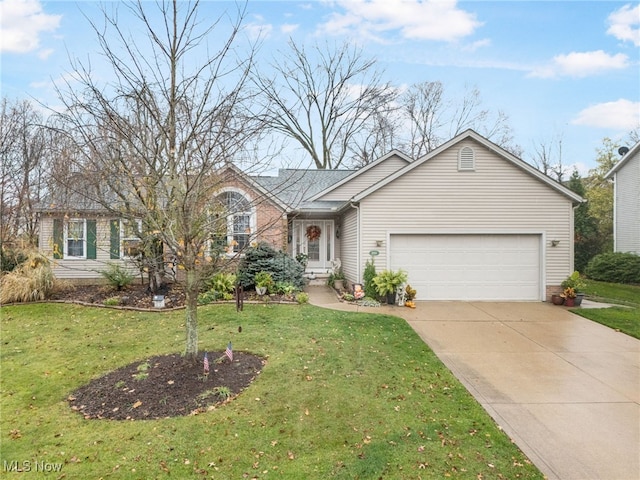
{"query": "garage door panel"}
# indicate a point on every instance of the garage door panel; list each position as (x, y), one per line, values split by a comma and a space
(470, 267)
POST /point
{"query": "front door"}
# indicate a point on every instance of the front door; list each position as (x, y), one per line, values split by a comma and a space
(315, 238)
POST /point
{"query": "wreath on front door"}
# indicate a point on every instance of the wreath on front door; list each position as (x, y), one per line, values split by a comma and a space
(313, 232)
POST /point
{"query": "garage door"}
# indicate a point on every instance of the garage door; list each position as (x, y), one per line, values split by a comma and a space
(470, 267)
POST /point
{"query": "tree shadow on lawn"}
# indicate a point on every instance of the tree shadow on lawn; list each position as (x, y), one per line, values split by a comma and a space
(166, 386)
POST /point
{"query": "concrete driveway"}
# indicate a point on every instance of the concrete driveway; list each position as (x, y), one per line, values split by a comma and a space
(565, 389)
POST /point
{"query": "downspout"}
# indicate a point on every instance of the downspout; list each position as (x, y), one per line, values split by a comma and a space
(353, 204)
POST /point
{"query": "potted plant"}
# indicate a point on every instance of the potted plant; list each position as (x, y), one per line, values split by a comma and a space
(263, 282)
(575, 281)
(569, 295)
(387, 283)
(409, 296)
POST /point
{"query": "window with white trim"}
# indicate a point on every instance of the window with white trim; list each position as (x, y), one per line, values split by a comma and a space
(238, 222)
(75, 238)
(466, 159)
(130, 238)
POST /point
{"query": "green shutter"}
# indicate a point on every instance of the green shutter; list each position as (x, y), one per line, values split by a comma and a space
(58, 239)
(114, 239)
(91, 239)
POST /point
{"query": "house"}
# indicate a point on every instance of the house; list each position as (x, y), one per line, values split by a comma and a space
(626, 201)
(467, 221)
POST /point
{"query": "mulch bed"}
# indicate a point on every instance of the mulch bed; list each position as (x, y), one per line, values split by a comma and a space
(161, 386)
(133, 296)
(166, 386)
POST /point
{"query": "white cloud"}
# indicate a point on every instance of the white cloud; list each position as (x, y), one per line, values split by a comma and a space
(288, 28)
(619, 115)
(21, 24)
(624, 24)
(439, 20)
(258, 30)
(581, 64)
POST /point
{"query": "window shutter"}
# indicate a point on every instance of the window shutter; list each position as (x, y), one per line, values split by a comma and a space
(467, 159)
(91, 240)
(114, 239)
(58, 239)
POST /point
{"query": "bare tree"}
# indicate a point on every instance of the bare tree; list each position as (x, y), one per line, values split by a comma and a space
(422, 104)
(154, 141)
(375, 141)
(323, 99)
(430, 118)
(25, 163)
(548, 158)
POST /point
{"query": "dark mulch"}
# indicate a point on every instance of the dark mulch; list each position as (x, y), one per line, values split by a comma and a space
(170, 386)
(134, 296)
(166, 386)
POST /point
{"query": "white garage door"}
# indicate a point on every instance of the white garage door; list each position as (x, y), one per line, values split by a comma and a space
(470, 267)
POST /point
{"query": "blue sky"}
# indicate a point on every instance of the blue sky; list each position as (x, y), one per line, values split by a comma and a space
(560, 70)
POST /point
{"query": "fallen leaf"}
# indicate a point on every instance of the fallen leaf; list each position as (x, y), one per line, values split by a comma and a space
(137, 404)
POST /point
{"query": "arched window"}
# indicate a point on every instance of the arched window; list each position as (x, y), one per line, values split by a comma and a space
(236, 221)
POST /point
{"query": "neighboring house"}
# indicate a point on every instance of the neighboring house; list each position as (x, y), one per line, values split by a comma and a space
(468, 221)
(626, 201)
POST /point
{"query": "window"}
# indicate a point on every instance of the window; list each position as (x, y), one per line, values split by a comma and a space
(130, 238)
(236, 221)
(75, 235)
(466, 159)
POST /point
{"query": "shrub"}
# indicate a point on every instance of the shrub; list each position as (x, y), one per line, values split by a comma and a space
(222, 283)
(117, 276)
(31, 281)
(112, 301)
(11, 258)
(368, 276)
(285, 288)
(615, 267)
(302, 297)
(264, 257)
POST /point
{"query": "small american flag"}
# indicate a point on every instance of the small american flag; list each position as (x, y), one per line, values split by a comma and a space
(206, 364)
(229, 352)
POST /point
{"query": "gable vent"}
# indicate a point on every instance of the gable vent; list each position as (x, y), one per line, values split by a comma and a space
(466, 159)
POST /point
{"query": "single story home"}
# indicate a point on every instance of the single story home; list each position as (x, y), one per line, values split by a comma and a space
(467, 221)
(626, 201)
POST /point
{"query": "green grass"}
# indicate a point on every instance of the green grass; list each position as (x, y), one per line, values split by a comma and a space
(627, 319)
(342, 395)
(613, 292)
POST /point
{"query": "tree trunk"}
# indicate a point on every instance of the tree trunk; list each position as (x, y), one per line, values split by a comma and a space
(191, 298)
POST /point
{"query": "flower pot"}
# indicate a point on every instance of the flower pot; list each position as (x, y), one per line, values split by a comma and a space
(578, 300)
(391, 298)
(569, 302)
(338, 284)
(261, 290)
(557, 299)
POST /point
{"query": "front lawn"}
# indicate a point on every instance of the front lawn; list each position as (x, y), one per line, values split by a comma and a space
(626, 319)
(342, 395)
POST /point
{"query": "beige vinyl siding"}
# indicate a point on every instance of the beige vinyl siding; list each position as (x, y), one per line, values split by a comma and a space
(365, 179)
(627, 206)
(81, 269)
(498, 197)
(349, 245)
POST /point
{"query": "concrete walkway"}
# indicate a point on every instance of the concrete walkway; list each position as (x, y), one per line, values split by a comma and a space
(565, 389)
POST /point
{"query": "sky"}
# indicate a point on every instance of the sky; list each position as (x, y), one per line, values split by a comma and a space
(564, 72)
